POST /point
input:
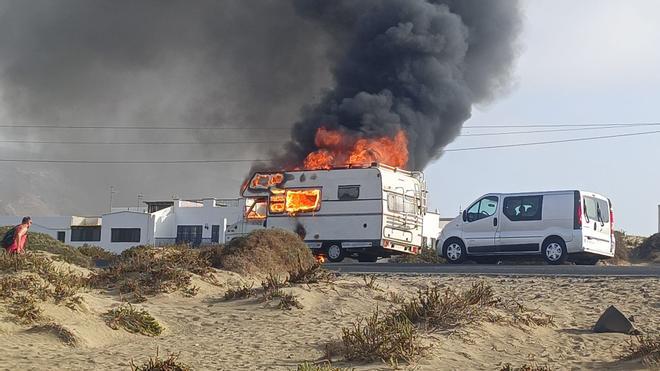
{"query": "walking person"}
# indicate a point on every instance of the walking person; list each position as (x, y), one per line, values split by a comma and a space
(20, 237)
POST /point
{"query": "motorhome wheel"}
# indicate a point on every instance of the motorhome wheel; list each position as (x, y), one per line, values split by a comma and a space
(335, 253)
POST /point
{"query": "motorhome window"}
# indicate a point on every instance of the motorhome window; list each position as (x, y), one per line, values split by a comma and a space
(523, 208)
(85, 234)
(125, 235)
(400, 204)
(591, 209)
(348, 192)
(302, 200)
(483, 208)
(255, 208)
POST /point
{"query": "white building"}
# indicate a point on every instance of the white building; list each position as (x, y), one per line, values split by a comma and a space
(160, 223)
(432, 227)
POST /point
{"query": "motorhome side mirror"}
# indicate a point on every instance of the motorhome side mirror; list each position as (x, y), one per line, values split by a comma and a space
(465, 215)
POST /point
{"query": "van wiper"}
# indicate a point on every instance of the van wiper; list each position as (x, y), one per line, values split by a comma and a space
(600, 215)
(586, 215)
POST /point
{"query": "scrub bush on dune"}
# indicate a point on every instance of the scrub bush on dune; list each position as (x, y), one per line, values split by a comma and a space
(133, 320)
(43, 242)
(264, 252)
(171, 363)
(144, 270)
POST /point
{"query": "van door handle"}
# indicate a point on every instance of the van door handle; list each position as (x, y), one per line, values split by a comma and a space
(494, 222)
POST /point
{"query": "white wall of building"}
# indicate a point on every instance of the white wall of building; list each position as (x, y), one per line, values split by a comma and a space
(432, 227)
(49, 225)
(126, 219)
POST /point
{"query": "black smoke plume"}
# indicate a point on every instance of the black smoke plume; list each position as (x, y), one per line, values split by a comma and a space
(416, 65)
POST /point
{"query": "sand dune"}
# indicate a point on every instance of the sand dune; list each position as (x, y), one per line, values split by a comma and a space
(213, 334)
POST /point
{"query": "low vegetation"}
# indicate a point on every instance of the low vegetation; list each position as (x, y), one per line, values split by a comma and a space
(325, 366)
(391, 339)
(43, 242)
(25, 309)
(288, 302)
(171, 363)
(142, 271)
(97, 253)
(646, 348)
(311, 274)
(525, 367)
(265, 252)
(649, 250)
(242, 292)
(133, 320)
(427, 255)
(62, 333)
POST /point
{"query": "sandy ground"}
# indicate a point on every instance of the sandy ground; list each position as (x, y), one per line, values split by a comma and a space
(212, 334)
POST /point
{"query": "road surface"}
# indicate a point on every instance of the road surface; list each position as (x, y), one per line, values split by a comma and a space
(499, 270)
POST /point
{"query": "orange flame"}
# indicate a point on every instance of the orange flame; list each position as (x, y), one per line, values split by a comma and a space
(337, 149)
(296, 201)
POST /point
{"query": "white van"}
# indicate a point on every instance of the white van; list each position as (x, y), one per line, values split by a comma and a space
(557, 225)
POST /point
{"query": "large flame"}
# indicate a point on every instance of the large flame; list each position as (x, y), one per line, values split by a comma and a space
(338, 149)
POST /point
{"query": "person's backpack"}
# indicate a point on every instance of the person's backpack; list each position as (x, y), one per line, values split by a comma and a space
(8, 238)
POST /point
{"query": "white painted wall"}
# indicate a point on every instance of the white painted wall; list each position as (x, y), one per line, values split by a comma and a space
(126, 219)
(49, 225)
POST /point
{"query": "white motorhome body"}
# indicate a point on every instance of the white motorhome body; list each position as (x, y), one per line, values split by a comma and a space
(366, 212)
(555, 224)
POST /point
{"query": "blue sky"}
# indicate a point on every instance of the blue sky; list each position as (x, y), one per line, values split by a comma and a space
(580, 62)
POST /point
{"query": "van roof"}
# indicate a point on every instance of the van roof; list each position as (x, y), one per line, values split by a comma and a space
(544, 193)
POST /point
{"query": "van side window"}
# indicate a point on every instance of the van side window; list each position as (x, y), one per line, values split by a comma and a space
(348, 192)
(483, 208)
(523, 208)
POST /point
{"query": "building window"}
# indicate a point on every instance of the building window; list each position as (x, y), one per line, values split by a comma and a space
(523, 208)
(348, 192)
(215, 233)
(189, 234)
(85, 234)
(61, 236)
(125, 235)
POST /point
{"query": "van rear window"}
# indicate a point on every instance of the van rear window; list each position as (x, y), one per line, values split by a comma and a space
(596, 210)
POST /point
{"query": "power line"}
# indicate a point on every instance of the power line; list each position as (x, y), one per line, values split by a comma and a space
(21, 141)
(551, 141)
(559, 125)
(131, 162)
(131, 127)
(136, 143)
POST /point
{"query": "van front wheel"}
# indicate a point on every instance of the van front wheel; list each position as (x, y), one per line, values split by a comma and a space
(454, 251)
(554, 251)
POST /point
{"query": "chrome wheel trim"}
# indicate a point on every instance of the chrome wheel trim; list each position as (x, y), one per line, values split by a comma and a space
(553, 252)
(454, 251)
(334, 252)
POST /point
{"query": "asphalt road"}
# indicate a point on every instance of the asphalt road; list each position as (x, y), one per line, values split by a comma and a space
(499, 270)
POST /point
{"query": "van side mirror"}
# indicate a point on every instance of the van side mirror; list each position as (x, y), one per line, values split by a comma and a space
(465, 215)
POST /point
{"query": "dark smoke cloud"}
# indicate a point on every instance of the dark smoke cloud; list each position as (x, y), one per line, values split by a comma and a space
(416, 65)
(388, 64)
(230, 63)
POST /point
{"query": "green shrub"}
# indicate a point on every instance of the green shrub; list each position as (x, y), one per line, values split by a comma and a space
(133, 320)
(170, 363)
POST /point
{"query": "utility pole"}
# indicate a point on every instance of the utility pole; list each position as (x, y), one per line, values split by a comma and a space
(139, 200)
(112, 192)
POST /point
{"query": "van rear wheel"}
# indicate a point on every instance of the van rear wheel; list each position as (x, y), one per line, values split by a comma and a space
(454, 251)
(554, 251)
(335, 253)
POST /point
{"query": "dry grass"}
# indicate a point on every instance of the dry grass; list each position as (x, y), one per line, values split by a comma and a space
(370, 282)
(266, 252)
(649, 250)
(43, 242)
(170, 363)
(646, 348)
(311, 274)
(525, 367)
(97, 253)
(325, 366)
(141, 271)
(25, 309)
(65, 335)
(133, 320)
(434, 308)
(390, 339)
(288, 302)
(427, 255)
(241, 292)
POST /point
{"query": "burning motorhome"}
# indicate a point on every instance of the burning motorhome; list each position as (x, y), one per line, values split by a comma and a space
(364, 212)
